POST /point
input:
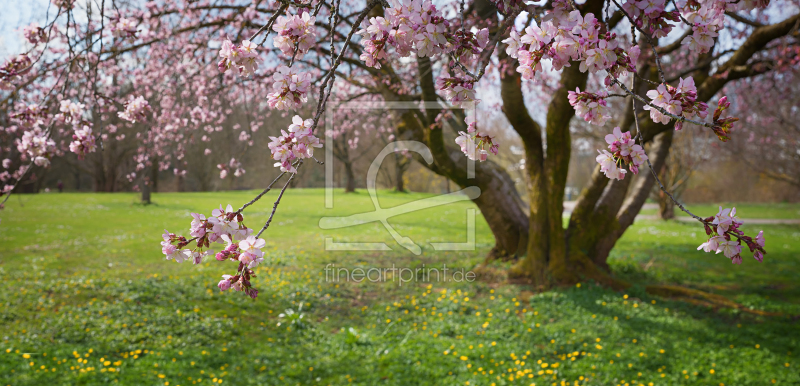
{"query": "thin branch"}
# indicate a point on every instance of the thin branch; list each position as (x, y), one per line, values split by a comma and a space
(659, 108)
(278, 201)
(742, 19)
(265, 191)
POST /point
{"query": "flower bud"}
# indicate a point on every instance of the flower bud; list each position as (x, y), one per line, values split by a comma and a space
(224, 285)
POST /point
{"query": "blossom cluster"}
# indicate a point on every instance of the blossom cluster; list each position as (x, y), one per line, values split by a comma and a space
(70, 112)
(411, 26)
(135, 109)
(29, 116)
(474, 145)
(650, 16)
(234, 165)
(123, 28)
(565, 36)
(680, 101)
(457, 89)
(466, 44)
(13, 69)
(290, 89)
(36, 145)
(417, 27)
(295, 30)
(34, 34)
(706, 20)
(225, 227)
(624, 151)
(83, 142)
(242, 58)
(298, 143)
(724, 225)
(6, 176)
(591, 107)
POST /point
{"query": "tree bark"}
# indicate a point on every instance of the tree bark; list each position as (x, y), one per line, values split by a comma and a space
(154, 175)
(551, 259)
(350, 186)
(399, 184)
(666, 208)
(499, 201)
(145, 187)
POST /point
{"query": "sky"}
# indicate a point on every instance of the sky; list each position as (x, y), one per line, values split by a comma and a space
(16, 14)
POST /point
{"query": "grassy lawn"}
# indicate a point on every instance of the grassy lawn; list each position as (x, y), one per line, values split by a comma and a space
(89, 300)
(783, 210)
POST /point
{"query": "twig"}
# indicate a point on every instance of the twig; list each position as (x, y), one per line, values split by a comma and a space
(278, 201)
(265, 191)
(661, 185)
(649, 41)
(269, 24)
(659, 108)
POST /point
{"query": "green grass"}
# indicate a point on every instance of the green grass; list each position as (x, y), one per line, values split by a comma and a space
(84, 279)
(783, 210)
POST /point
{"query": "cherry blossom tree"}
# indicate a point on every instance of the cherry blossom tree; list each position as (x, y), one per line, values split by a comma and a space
(769, 139)
(174, 69)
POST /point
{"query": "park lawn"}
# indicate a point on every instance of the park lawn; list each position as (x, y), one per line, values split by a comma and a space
(88, 299)
(782, 210)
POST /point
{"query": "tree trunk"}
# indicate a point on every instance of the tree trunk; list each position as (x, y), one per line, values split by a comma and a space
(145, 187)
(400, 165)
(499, 202)
(666, 208)
(179, 183)
(154, 175)
(551, 259)
(351, 178)
(399, 185)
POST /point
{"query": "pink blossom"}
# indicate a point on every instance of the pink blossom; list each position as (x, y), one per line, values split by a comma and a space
(591, 107)
(712, 245)
(244, 58)
(290, 89)
(135, 110)
(298, 143)
(475, 145)
(252, 253)
(34, 34)
(608, 165)
(729, 248)
(82, 142)
(760, 239)
(123, 28)
(295, 30)
(225, 283)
